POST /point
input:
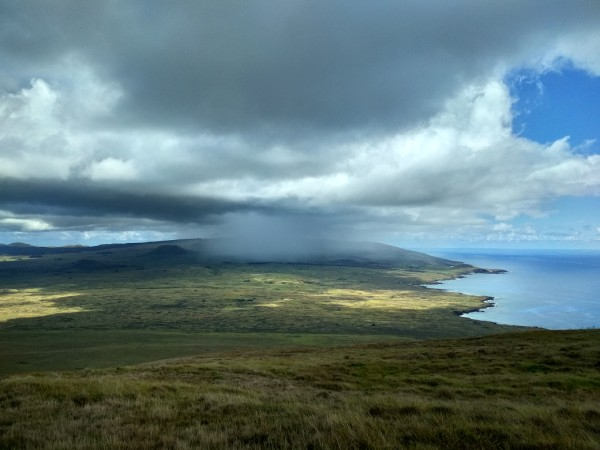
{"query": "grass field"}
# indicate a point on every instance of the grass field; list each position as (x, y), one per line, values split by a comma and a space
(69, 312)
(536, 390)
(116, 350)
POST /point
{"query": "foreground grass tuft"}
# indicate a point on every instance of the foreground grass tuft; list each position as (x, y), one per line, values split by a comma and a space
(527, 390)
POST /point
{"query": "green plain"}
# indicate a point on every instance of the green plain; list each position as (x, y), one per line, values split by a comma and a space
(121, 351)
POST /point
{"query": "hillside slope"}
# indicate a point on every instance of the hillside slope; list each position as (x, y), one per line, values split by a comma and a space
(296, 251)
(528, 390)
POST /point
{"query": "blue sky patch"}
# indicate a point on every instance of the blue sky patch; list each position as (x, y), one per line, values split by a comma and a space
(553, 105)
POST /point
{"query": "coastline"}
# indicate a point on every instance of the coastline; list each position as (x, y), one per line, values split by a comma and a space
(557, 290)
(486, 301)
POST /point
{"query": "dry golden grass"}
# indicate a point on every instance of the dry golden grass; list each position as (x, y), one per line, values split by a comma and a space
(26, 303)
(6, 258)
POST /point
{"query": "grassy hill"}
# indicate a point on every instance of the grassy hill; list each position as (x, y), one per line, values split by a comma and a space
(537, 390)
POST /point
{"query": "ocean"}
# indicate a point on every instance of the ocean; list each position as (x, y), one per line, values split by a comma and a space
(558, 289)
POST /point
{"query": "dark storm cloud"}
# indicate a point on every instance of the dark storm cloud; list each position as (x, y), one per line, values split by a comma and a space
(59, 198)
(275, 67)
(322, 115)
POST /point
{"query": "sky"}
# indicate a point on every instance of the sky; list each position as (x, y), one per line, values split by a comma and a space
(421, 123)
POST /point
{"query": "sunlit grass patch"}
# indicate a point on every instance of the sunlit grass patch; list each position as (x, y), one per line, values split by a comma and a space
(34, 302)
(271, 304)
(7, 258)
(395, 299)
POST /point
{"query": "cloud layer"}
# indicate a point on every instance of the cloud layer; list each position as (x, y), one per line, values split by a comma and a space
(386, 117)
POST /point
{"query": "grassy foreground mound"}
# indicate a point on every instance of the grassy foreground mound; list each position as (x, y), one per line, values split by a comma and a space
(536, 389)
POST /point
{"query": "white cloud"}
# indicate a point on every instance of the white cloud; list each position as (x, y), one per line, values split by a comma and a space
(466, 157)
(48, 128)
(25, 224)
(502, 227)
(111, 169)
(582, 49)
(30, 136)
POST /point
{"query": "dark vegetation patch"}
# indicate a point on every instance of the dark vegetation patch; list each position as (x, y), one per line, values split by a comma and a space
(167, 250)
(92, 265)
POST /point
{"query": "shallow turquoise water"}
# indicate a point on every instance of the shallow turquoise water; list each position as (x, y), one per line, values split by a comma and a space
(549, 289)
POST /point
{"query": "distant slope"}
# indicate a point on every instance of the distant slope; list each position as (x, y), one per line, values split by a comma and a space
(20, 249)
(320, 252)
(295, 251)
(167, 250)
